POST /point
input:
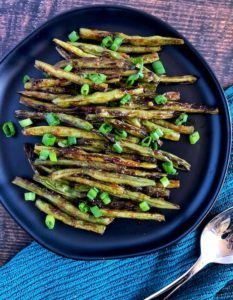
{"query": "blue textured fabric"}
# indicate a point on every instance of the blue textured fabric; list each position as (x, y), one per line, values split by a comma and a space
(36, 273)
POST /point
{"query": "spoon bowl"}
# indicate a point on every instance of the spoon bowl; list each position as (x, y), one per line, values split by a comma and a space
(217, 239)
(216, 247)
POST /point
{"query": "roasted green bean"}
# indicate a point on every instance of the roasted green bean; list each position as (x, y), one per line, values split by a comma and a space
(66, 219)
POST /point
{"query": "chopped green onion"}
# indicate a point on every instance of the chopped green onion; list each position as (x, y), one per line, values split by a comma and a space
(154, 135)
(63, 143)
(105, 198)
(165, 181)
(53, 156)
(97, 78)
(52, 119)
(50, 221)
(116, 43)
(68, 68)
(117, 137)
(126, 98)
(160, 99)
(117, 147)
(25, 122)
(44, 154)
(83, 207)
(194, 137)
(107, 42)
(96, 211)
(9, 129)
(140, 75)
(146, 141)
(168, 168)
(73, 36)
(121, 133)
(183, 118)
(159, 132)
(72, 140)
(85, 89)
(154, 145)
(132, 78)
(92, 193)
(29, 196)
(26, 78)
(105, 128)
(144, 206)
(137, 60)
(48, 139)
(158, 67)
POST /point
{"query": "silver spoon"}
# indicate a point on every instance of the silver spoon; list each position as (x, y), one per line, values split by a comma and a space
(216, 247)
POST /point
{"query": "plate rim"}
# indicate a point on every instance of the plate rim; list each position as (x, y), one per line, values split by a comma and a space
(228, 126)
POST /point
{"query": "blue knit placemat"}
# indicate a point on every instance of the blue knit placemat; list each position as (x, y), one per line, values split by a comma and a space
(36, 273)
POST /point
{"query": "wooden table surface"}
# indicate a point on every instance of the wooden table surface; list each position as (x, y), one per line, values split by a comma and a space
(207, 24)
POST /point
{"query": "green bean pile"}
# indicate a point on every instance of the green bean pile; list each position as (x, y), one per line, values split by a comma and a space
(101, 154)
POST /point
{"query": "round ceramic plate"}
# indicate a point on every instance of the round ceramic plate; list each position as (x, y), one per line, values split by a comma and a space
(209, 157)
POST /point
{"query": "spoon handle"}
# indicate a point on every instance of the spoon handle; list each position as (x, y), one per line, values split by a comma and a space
(172, 287)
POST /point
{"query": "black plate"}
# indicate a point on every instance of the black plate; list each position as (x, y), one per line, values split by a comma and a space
(209, 157)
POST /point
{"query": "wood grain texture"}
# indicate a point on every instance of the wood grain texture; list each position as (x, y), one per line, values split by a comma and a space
(207, 24)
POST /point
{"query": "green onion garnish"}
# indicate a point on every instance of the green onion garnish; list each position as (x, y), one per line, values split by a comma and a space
(146, 141)
(63, 143)
(154, 145)
(9, 129)
(144, 206)
(105, 198)
(97, 78)
(50, 221)
(154, 136)
(159, 132)
(85, 89)
(194, 137)
(132, 78)
(158, 67)
(48, 139)
(83, 207)
(105, 128)
(121, 133)
(52, 119)
(107, 42)
(92, 193)
(72, 140)
(29, 196)
(137, 60)
(116, 43)
(160, 99)
(183, 118)
(68, 68)
(169, 168)
(117, 147)
(126, 98)
(26, 78)
(165, 181)
(44, 154)
(53, 156)
(25, 122)
(73, 36)
(96, 211)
